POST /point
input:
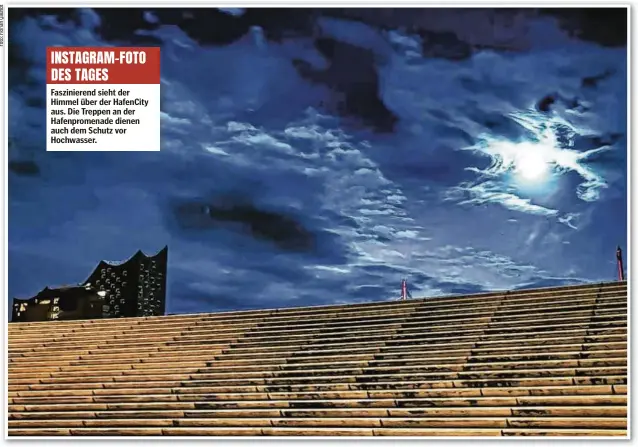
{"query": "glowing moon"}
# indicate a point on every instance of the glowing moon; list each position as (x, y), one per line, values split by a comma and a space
(531, 166)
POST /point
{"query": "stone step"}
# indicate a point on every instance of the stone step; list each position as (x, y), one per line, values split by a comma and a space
(363, 365)
(550, 361)
(338, 398)
(397, 350)
(555, 432)
(63, 325)
(264, 379)
(186, 333)
(319, 432)
(390, 346)
(21, 370)
(526, 337)
(473, 316)
(214, 355)
(352, 421)
(35, 417)
(606, 358)
(543, 385)
(612, 405)
(74, 341)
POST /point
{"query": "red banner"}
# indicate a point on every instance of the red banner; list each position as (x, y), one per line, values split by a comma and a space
(103, 65)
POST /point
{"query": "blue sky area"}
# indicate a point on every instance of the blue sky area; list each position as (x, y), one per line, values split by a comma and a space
(313, 157)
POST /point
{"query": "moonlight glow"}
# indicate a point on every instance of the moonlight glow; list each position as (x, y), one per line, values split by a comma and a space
(531, 163)
(532, 166)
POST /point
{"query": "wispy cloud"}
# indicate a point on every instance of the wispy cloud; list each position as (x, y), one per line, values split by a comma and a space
(522, 169)
(494, 192)
(374, 202)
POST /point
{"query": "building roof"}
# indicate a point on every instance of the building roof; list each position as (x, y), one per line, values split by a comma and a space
(139, 254)
(49, 292)
(533, 362)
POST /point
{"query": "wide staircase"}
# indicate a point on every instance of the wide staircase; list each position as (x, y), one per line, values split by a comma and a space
(522, 363)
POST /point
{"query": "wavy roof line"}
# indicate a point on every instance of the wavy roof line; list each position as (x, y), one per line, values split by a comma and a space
(136, 254)
(102, 262)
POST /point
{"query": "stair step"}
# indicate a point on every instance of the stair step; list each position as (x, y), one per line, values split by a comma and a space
(544, 362)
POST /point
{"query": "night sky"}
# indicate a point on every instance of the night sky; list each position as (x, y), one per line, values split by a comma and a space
(317, 156)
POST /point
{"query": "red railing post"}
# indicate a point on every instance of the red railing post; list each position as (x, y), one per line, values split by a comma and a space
(621, 269)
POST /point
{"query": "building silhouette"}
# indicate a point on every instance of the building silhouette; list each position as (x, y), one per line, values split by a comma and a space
(132, 288)
(62, 303)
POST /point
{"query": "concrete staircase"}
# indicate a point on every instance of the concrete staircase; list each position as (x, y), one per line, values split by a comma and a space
(523, 363)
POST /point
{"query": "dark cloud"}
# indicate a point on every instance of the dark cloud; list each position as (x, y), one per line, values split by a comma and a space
(331, 153)
(25, 168)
